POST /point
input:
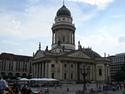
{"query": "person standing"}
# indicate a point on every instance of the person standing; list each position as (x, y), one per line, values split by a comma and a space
(24, 89)
(29, 91)
(3, 85)
(15, 88)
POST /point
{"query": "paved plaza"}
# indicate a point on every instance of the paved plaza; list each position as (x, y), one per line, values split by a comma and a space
(73, 89)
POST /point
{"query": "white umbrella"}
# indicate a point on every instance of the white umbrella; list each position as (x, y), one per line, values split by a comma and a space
(24, 79)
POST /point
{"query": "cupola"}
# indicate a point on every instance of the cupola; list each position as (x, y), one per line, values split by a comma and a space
(63, 11)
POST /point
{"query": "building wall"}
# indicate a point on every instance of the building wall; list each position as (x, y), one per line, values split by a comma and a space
(9, 66)
(117, 61)
(100, 72)
(68, 70)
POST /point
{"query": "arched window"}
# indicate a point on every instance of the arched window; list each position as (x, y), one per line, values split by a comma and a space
(17, 75)
(24, 75)
(10, 75)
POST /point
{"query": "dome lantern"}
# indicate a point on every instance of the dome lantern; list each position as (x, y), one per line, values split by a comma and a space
(63, 11)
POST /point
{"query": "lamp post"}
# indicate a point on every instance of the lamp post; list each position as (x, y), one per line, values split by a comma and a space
(84, 72)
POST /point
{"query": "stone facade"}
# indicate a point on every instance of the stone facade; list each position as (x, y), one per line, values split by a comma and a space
(12, 66)
(63, 61)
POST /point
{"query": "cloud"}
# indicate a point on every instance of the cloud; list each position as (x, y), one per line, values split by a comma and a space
(101, 4)
(118, 15)
(122, 39)
(34, 22)
(106, 39)
(21, 31)
(9, 25)
(33, 25)
(99, 43)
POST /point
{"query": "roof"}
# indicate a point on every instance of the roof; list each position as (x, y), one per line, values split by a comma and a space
(9, 56)
(120, 54)
(91, 53)
(63, 11)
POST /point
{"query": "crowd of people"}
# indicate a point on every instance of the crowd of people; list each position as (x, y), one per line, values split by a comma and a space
(13, 89)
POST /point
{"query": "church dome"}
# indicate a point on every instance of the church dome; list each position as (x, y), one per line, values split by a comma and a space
(63, 11)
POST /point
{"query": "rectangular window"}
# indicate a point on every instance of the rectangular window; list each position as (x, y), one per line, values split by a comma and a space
(71, 65)
(52, 75)
(71, 76)
(63, 38)
(65, 65)
(100, 72)
(52, 65)
(54, 38)
(64, 75)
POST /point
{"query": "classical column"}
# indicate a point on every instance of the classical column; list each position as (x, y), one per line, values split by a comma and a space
(53, 38)
(73, 38)
(40, 69)
(95, 72)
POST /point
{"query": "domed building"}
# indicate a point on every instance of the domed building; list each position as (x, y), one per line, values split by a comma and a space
(63, 61)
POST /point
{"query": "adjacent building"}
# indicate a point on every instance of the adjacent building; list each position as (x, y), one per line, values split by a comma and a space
(63, 61)
(12, 66)
(117, 61)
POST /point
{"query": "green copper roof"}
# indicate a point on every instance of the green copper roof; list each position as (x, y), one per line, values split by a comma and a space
(63, 11)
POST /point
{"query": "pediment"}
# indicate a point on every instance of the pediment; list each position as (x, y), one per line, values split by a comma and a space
(79, 54)
(39, 54)
(57, 50)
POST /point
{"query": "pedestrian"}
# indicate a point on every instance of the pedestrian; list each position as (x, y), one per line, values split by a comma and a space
(3, 85)
(8, 91)
(41, 92)
(24, 89)
(46, 91)
(67, 89)
(28, 91)
(15, 89)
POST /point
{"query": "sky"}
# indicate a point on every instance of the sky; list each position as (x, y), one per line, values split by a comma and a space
(100, 24)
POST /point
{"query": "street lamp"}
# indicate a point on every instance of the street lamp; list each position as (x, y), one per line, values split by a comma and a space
(84, 72)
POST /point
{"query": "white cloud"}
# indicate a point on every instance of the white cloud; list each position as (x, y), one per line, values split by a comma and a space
(118, 16)
(105, 40)
(21, 29)
(101, 4)
(9, 25)
(34, 22)
(100, 43)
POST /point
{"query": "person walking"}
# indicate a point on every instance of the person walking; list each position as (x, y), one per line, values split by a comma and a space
(3, 85)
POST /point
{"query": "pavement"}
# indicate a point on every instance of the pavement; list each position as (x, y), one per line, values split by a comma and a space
(111, 92)
(72, 89)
